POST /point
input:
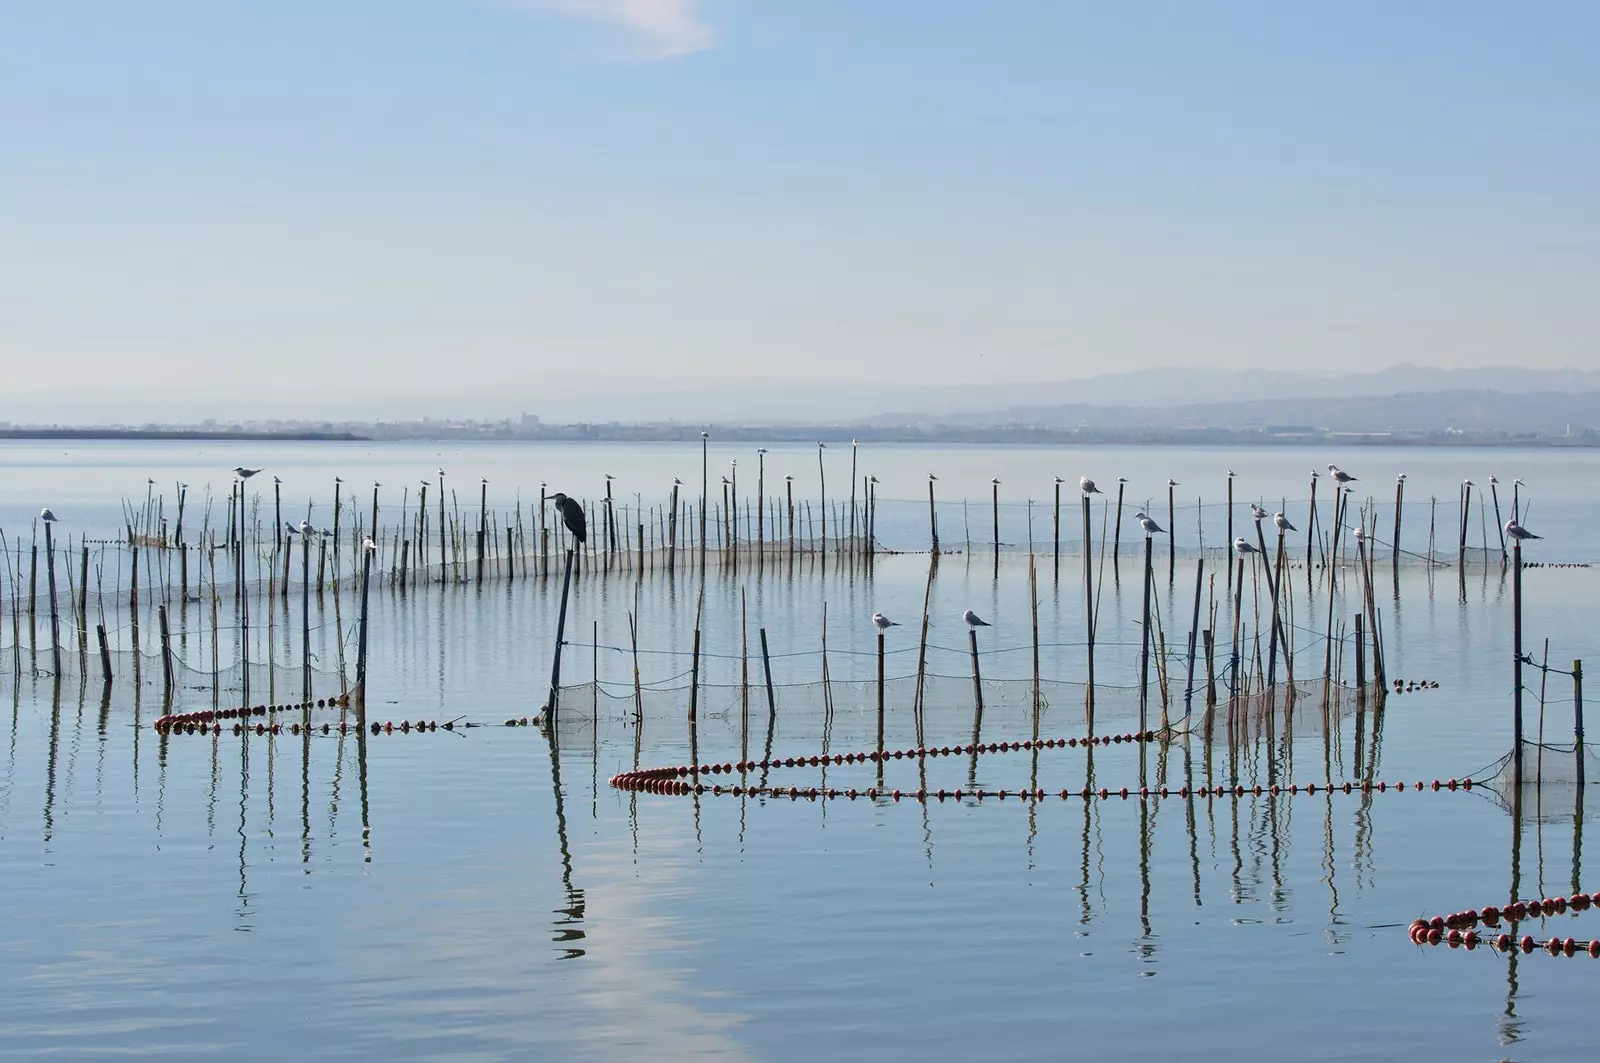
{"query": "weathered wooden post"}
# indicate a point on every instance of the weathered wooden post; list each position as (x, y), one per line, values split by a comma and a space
(1577, 716)
(933, 516)
(1088, 614)
(551, 709)
(50, 576)
(1144, 635)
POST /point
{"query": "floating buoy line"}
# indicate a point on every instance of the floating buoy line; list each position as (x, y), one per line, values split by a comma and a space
(1460, 929)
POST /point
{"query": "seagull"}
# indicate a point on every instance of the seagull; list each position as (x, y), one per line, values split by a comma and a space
(306, 529)
(1150, 527)
(1468, 483)
(292, 530)
(1492, 479)
(151, 482)
(1257, 513)
(1122, 479)
(276, 480)
(243, 473)
(725, 480)
(883, 623)
(1171, 482)
(1283, 522)
(1402, 478)
(821, 445)
(1360, 533)
(931, 476)
(1086, 485)
(676, 482)
(338, 479)
(973, 619)
(872, 479)
(1513, 529)
(788, 479)
(376, 484)
(608, 477)
(1339, 474)
(995, 481)
(761, 450)
(705, 435)
(368, 545)
(572, 516)
(1243, 547)
(47, 516)
(1315, 474)
(1231, 474)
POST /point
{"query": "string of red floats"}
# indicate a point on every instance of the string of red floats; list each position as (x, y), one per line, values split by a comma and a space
(206, 717)
(1459, 929)
(675, 780)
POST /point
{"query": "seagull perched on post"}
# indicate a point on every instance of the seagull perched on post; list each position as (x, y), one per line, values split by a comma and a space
(1513, 529)
(1244, 547)
(882, 622)
(1257, 513)
(306, 529)
(1340, 475)
(368, 545)
(47, 516)
(995, 481)
(1086, 485)
(1171, 482)
(243, 473)
(1150, 527)
(1283, 522)
(572, 516)
(973, 619)
(676, 482)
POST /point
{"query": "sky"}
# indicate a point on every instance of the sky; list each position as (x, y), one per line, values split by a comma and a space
(242, 202)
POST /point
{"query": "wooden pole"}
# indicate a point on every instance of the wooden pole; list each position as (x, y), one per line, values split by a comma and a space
(105, 653)
(1272, 641)
(1399, 510)
(766, 668)
(1466, 510)
(852, 495)
(1516, 662)
(933, 519)
(1577, 716)
(305, 615)
(1230, 523)
(1311, 521)
(552, 709)
(994, 490)
(483, 522)
(705, 497)
(694, 678)
(166, 651)
(361, 637)
(441, 526)
(1494, 493)
(1056, 532)
(880, 693)
(1116, 535)
(1172, 534)
(55, 618)
(1194, 629)
(1144, 636)
(977, 686)
(1088, 614)
(1361, 652)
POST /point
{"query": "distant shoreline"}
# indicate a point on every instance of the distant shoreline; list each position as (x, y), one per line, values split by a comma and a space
(904, 436)
(179, 434)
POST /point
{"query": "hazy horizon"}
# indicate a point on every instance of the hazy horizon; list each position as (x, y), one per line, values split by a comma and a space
(244, 210)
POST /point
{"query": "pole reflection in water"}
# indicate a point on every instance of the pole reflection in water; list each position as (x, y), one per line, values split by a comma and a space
(569, 928)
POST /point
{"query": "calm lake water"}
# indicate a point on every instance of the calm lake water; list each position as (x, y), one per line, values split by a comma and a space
(483, 894)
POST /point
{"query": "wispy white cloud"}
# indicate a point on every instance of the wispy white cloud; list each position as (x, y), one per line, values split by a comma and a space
(662, 29)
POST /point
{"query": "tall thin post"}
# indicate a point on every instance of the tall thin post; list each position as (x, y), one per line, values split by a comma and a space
(761, 498)
(441, 526)
(1399, 510)
(1194, 635)
(977, 685)
(822, 480)
(1516, 662)
(1361, 653)
(1577, 716)
(1088, 614)
(166, 651)
(55, 618)
(105, 653)
(933, 517)
(880, 691)
(561, 631)
(361, 637)
(1172, 532)
(1311, 521)
(1055, 550)
(852, 494)
(1494, 493)
(1144, 636)
(1466, 510)
(705, 488)
(305, 615)
(1230, 523)
(1116, 534)
(766, 668)
(483, 521)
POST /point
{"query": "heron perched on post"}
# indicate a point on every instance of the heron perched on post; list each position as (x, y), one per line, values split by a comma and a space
(572, 516)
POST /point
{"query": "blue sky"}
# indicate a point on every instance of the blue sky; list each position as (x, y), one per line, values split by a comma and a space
(816, 189)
